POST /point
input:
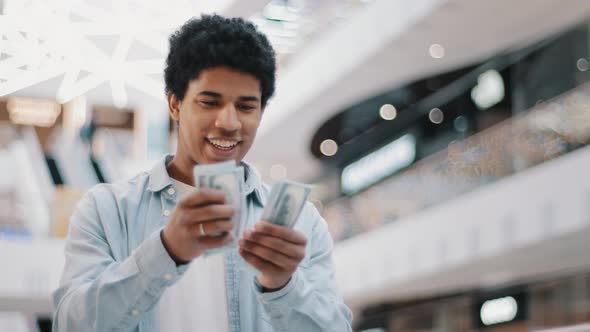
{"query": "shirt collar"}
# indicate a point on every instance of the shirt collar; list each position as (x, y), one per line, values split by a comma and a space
(253, 183)
(160, 180)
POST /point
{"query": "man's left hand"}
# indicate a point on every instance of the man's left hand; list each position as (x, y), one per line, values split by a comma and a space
(274, 250)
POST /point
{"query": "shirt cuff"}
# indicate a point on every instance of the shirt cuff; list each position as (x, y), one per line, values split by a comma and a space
(263, 289)
(176, 260)
(282, 298)
(156, 265)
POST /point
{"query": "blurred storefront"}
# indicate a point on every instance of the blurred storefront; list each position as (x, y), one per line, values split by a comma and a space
(537, 306)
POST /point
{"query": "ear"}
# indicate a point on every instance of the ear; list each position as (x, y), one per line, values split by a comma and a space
(173, 106)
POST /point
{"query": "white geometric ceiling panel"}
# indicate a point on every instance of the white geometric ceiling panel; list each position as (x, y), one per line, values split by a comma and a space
(88, 42)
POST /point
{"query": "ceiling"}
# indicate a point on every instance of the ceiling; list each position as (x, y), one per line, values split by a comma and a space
(109, 50)
(105, 50)
(358, 48)
(387, 46)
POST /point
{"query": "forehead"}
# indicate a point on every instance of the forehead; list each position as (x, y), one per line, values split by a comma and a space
(225, 81)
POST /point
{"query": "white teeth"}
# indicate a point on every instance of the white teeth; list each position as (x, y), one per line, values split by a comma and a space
(223, 143)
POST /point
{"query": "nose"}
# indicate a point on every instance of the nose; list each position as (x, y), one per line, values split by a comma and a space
(228, 119)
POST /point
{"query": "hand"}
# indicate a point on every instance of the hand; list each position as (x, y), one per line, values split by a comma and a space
(274, 250)
(182, 235)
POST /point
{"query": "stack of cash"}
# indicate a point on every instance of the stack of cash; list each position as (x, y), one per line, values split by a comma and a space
(285, 202)
(228, 178)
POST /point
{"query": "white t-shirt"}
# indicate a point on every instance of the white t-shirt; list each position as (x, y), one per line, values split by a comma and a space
(197, 301)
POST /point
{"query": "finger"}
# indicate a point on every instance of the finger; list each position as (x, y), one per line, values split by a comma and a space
(294, 251)
(207, 213)
(203, 196)
(211, 242)
(269, 255)
(257, 262)
(284, 233)
(212, 228)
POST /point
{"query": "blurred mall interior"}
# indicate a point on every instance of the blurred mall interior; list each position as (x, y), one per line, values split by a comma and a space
(446, 140)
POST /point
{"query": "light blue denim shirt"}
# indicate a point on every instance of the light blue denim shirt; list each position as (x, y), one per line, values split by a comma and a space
(117, 268)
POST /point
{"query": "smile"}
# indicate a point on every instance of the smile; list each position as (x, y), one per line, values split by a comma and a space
(223, 144)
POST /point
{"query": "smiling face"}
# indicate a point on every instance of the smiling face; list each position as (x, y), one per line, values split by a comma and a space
(217, 118)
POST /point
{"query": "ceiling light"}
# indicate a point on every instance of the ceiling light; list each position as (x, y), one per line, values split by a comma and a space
(388, 112)
(582, 64)
(489, 90)
(295, 6)
(436, 51)
(33, 112)
(278, 11)
(329, 147)
(436, 116)
(379, 164)
(498, 311)
(461, 124)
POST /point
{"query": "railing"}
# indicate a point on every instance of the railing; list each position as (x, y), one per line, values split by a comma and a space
(576, 328)
(549, 130)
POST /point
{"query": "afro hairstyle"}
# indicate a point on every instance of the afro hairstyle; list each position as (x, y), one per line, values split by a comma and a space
(214, 41)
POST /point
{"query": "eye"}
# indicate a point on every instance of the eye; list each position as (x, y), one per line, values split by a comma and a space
(245, 107)
(209, 103)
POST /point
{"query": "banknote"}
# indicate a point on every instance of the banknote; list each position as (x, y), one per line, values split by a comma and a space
(286, 200)
(228, 178)
(214, 169)
(283, 207)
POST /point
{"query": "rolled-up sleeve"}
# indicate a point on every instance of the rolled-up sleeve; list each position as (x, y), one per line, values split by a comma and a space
(100, 293)
(310, 301)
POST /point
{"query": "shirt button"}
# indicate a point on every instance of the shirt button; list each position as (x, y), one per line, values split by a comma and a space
(135, 312)
(171, 191)
(168, 276)
(166, 213)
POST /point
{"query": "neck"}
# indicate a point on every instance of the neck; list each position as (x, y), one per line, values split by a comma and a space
(181, 170)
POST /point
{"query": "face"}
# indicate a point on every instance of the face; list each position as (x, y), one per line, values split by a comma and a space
(218, 116)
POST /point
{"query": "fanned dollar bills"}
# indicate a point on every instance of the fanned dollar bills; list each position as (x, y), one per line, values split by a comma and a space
(283, 207)
(228, 178)
(285, 202)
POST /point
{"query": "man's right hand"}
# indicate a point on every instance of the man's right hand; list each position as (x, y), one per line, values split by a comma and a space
(183, 236)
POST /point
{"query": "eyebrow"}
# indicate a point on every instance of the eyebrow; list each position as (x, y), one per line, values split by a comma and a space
(218, 95)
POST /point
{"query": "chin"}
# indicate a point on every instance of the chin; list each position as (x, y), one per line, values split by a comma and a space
(212, 160)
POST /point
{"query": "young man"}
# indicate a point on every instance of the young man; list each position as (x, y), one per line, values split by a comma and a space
(134, 253)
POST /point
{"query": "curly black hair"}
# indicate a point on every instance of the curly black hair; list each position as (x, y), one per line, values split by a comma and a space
(212, 41)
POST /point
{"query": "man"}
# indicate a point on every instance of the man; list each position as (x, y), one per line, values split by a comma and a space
(134, 253)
